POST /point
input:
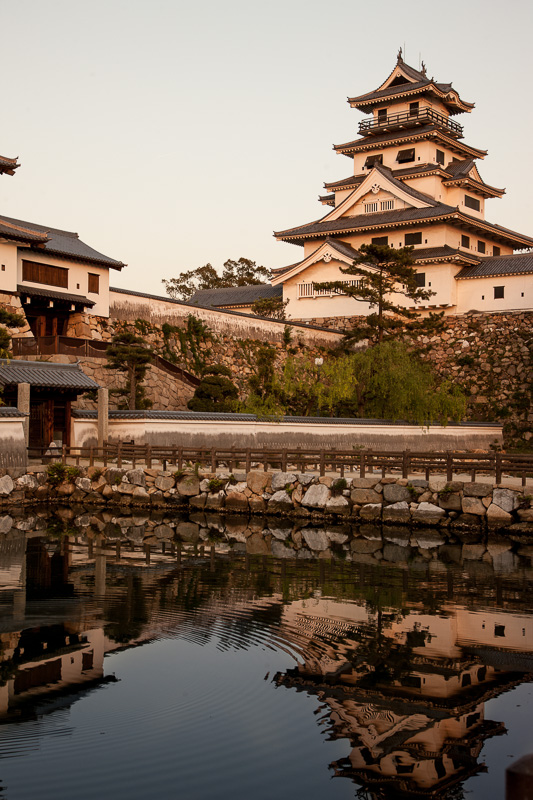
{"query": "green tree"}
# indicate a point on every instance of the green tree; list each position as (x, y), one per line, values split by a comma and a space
(10, 320)
(243, 272)
(128, 353)
(271, 307)
(216, 392)
(393, 383)
(385, 275)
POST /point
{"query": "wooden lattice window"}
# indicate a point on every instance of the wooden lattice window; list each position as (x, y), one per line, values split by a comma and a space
(94, 283)
(34, 272)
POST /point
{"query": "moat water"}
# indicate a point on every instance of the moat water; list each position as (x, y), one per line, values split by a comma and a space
(143, 660)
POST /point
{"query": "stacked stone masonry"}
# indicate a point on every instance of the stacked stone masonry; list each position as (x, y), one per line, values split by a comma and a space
(299, 496)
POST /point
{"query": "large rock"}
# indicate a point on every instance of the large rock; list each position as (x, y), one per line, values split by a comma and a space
(428, 539)
(257, 481)
(305, 478)
(257, 545)
(27, 482)
(136, 476)
(473, 505)
(397, 512)
(475, 489)
(364, 496)
(525, 515)
(316, 496)
(364, 483)
(236, 501)
(315, 539)
(371, 511)
(140, 495)
(338, 505)
(280, 502)
(189, 486)
(281, 479)
(114, 475)
(188, 531)
(395, 553)
(393, 493)
(506, 499)
(280, 550)
(257, 504)
(164, 482)
(6, 486)
(6, 523)
(450, 502)
(125, 487)
(428, 512)
(215, 499)
(84, 484)
(497, 517)
(473, 552)
(365, 545)
(163, 532)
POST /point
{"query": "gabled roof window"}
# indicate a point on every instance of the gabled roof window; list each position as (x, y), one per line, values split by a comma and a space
(406, 155)
(375, 159)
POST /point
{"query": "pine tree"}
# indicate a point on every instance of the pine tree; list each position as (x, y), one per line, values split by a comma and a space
(128, 353)
(385, 274)
(216, 392)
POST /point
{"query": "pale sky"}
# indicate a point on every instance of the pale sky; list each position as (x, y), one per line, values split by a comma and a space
(170, 134)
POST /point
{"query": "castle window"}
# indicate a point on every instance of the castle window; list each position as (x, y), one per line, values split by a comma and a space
(440, 157)
(472, 202)
(481, 247)
(387, 205)
(496, 251)
(406, 155)
(499, 292)
(413, 238)
(372, 160)
(465, 241)
(44, 273)
(413, 109)
(371, 208)
(94, 283)
(499, 630)
(382, 114)
(420, 279)
(383, 241)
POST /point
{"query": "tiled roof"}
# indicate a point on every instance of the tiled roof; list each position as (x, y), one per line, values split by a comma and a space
(209, 415)
(19, 233)
(371, 142)
(377, 220)
(235, 295)
(228, 311)
(404, 187)
(10, 411)
(45, 373)
(459, 168)
(519, 264)
(426, 253)
(8, 165)
(356, 180)
(63, 243)
(54, 295)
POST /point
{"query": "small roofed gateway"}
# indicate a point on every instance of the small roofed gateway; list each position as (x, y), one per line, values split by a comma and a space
(414, 182)
(236, 298)
(52, 389)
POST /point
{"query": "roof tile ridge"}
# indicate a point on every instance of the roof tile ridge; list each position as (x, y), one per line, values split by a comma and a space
(5, 221)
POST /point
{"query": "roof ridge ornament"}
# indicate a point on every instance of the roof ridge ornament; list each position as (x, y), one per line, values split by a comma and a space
(399, 57)
(423, 69)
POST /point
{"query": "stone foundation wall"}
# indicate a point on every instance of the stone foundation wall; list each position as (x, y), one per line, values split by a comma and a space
(454, 506)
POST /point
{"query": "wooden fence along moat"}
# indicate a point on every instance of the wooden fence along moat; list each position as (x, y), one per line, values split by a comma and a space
(362, 462)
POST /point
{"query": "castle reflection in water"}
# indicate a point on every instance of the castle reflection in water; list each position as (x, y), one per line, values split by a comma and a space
(402, 658)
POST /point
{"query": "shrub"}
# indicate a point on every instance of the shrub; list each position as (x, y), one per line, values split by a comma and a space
(338, 486)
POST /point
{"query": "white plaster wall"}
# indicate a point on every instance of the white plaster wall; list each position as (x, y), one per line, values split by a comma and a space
(8, 267)
(12, 442)
(77, 279)
(160, 310)
(206, 433)
(478, 294)
(477, 628)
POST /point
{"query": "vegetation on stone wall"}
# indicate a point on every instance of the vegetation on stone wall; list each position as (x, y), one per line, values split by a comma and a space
(10, 320)
(216, 392)
(128, 353)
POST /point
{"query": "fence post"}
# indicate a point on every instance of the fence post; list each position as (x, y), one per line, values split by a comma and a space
(284, 461)
(405, 464)
(180, 458)
(64, 454)
(248, 460)
(91, 456)
(213, 460)
(231, 459)
(498, 467)
(149, 456)
(449, 466)
(322, 463)
(370, 461)
(362, 465)
(119, 455)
